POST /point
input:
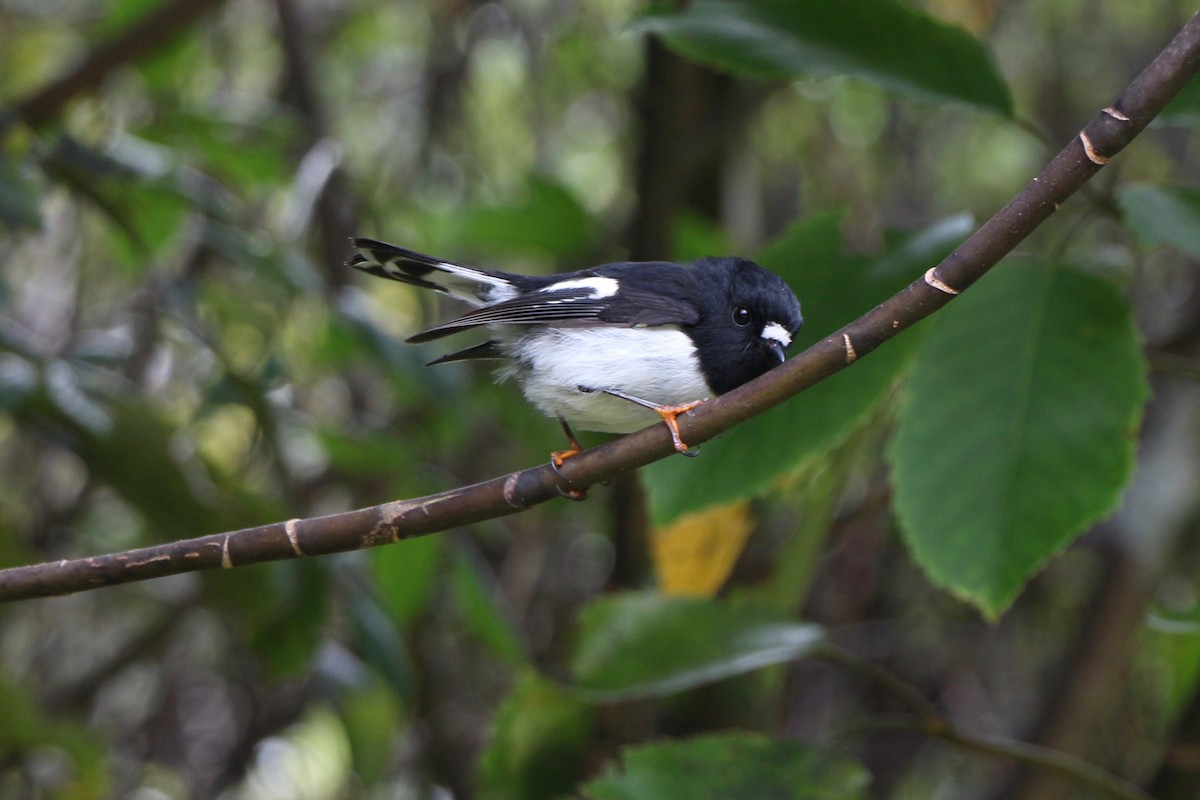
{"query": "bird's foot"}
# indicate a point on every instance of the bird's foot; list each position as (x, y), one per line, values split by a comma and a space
(670, 416)
(559, 457)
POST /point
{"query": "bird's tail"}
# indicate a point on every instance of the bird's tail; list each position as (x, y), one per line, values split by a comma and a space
(474, 286)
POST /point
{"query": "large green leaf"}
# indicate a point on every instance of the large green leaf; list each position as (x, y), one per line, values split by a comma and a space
(1019, 428)
(834, 287)
(539, 742)
(1163, 215)
(728, 765)
(644, 644)
(885, 41)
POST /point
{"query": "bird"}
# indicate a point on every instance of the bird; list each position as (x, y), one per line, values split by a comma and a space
(615, 347)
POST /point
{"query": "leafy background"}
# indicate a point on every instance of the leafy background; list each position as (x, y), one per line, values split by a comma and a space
(990, 520)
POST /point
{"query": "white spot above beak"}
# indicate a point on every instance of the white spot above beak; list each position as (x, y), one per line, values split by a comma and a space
(777, 333)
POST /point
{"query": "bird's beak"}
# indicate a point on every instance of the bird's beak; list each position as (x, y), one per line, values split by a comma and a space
(776, 348)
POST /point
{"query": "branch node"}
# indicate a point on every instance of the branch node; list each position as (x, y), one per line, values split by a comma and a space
(510, 492)
(1117, 115)
(1090, 150)
(226, 561)
(933, 280)
(851, 355)
(289, 527)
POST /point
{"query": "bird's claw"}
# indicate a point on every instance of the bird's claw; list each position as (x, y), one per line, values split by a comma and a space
(558, 457)
(578, 495)
(670, 416)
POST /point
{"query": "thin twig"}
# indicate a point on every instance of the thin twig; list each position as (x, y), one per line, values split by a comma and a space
(1107, 134)
(931, 722)
(1175, 364)
(1065, 766)
(901, 689)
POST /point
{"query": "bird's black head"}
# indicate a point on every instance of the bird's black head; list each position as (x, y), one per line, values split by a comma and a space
(747, 321)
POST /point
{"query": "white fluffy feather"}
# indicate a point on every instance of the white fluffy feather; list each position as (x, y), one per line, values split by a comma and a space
(552, 364)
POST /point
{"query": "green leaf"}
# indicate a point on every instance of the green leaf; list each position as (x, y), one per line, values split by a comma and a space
(286, 641)
(730, 765)
(1019, 428)
(404, 576)
(242, 152)
(381, 642)
(644, 644)
(834, 288)
(128, 445)
(24, 730)
(132, 182)
(18, 197)
(1184, 108)
(548, 220)
(372, 716)
(1170, 642)
(483, 611)
(885, 41)
(1163, 215)
(539, 743)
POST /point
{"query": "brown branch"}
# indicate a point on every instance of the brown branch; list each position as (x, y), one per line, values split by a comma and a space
(1108, 133)
(154, 31)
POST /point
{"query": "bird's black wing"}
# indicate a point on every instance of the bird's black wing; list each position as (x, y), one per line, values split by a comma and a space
(643, 306)
(488, 350)
(641, 298)
(536, 308)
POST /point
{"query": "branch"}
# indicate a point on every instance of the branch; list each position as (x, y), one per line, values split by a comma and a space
(929, 721)
(1107, 133)
(154, 31)
(1062, 764)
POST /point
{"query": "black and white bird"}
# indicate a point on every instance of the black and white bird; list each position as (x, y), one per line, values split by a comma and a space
(615, 347)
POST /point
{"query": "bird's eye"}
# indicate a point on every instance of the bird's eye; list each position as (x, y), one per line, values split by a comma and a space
(741, 316)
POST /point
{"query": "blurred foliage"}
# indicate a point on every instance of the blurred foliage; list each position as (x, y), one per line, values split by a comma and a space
(182, 352)
(730, 765)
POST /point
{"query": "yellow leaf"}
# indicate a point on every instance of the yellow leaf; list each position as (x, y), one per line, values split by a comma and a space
(695, 554)
(976, 16)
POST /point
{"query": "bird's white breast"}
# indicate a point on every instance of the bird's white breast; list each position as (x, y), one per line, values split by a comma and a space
(656, 364)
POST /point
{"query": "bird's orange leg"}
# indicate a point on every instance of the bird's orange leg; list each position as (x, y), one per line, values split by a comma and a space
(669, 415)
(558, 457)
